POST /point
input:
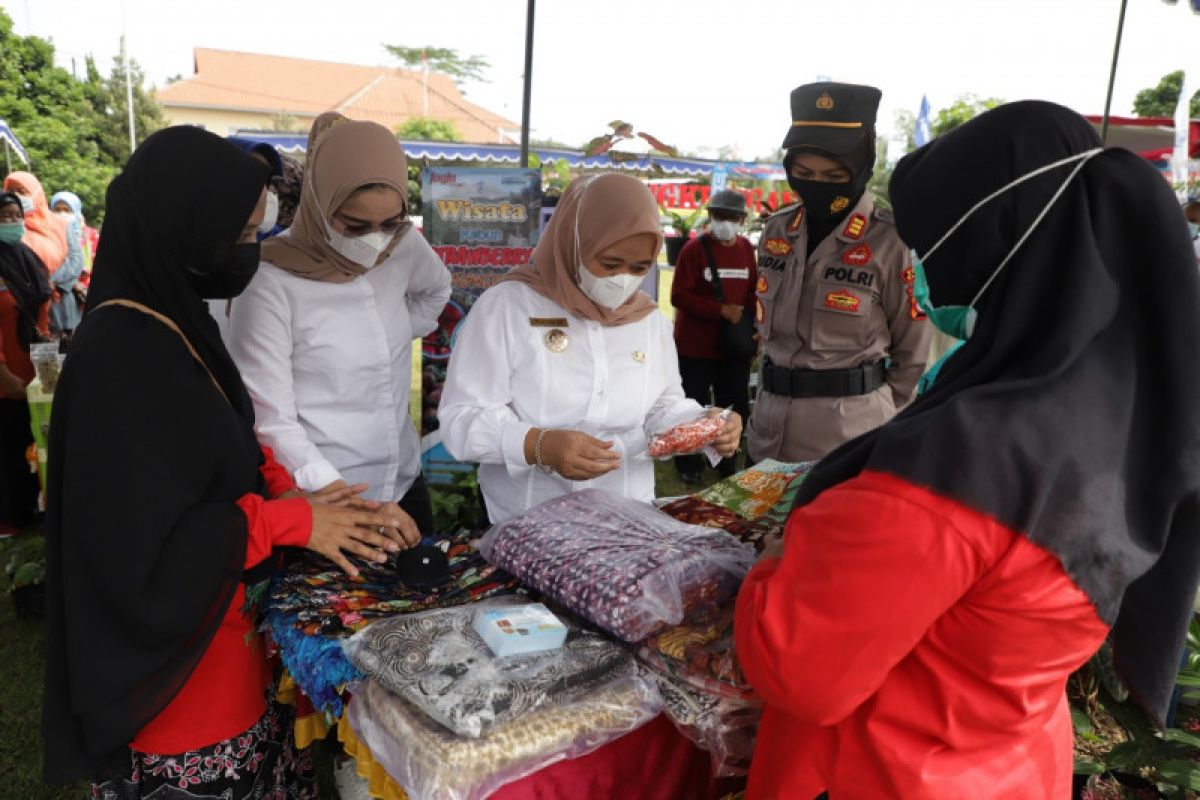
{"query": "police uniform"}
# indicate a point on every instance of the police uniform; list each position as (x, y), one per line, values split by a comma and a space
(844, 341)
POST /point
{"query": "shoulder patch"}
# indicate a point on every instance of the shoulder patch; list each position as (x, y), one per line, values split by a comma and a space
(777, 247)
(856, 226)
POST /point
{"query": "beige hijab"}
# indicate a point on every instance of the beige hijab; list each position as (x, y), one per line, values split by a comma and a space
(594, 212)
(347, 156)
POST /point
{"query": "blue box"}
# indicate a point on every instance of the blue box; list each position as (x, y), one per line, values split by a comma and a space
(513, 630)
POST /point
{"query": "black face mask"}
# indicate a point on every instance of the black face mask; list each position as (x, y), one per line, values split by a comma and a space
(229, 273)
(825, 201)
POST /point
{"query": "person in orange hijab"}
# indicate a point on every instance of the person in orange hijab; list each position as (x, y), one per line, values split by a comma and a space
(45, 233)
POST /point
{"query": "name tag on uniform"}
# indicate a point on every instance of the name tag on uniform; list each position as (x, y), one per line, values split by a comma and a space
(548, 322)
(734, 274)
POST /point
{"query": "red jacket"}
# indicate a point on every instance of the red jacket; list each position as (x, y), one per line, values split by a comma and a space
(697, 310)
(226, 692)
(909, 647)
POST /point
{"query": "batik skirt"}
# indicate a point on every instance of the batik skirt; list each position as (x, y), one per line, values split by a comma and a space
(260, 764)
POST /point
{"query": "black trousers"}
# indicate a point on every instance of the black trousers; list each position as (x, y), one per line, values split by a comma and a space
(18, 486)
(717, 382)
(417, 504)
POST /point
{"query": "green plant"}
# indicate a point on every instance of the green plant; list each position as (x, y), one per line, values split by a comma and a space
(27, 563)
(456, 505)
(682, 222)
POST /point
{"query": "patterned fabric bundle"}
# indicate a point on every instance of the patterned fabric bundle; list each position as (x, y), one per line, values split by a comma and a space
(766, 488)
(431, 763)
(437, 662)
(621, 564)
(725, 727)
(322, 600)
(699, 654)
(687, 438)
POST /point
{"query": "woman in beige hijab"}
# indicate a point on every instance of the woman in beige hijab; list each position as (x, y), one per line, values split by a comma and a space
(563, 371)
(323, 335)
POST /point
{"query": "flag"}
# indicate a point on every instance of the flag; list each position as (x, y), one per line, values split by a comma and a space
(921, 133)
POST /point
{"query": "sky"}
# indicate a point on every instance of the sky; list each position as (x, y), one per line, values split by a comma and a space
(697, 74)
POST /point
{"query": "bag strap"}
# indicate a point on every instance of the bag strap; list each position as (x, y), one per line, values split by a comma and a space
(713, 277)
(170, 323)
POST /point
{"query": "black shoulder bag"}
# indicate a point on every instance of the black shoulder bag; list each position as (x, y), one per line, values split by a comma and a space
(737, 338)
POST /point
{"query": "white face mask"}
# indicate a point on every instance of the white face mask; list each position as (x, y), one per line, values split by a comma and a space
(725, 230)
(272, 214)
(362, 250)
(611, 292)
(26, 203)
(1082, 158)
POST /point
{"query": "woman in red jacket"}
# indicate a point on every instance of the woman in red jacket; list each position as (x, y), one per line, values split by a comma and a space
(162, 503)
(942, 576)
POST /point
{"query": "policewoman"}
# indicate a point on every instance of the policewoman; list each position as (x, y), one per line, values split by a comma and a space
(844, 341)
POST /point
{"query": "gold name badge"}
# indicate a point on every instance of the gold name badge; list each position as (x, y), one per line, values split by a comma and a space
(548, 322)
(557, 340)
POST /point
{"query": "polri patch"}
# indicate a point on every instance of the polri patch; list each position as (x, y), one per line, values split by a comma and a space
(794, 225)
(908, 275)
(777, 247)
(762, 284)
(858, 256)
(842, 300)
(856, 227)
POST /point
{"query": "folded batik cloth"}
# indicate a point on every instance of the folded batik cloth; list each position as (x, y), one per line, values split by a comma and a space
(436, 661)
(767, 487)
(724, 727)
(700, 654)
(622, 565)
(321, 599)
(431, 763)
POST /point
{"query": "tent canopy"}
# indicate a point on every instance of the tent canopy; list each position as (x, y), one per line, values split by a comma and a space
(1153, 138)
(511, 154)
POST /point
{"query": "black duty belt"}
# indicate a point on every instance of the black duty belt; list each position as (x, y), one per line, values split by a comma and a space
(800, 382)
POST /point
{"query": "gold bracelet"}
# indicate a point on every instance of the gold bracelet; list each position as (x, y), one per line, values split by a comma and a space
(537, 452)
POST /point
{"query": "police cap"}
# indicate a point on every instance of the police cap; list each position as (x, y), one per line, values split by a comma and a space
(831, 116)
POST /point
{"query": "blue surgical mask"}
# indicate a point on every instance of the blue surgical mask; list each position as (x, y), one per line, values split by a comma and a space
(1194, 227)
(11, 232)
(959, 321)
(956, 321)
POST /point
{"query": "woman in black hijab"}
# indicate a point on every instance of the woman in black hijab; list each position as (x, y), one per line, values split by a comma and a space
(948, 571)
(24, 299)
(158, 501)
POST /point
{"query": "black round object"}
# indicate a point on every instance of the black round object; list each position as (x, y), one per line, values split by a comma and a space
(423, 567)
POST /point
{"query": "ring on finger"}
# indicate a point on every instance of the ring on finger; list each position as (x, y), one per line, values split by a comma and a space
(381, 530)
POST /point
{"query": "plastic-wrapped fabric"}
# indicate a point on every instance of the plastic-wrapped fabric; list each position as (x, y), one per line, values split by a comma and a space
(437, 662)
(623, 565)
(431, 763)
(688, 438)
(694, 511)
(700, 654)
(724, 727)
(767, 488)
(320, 599)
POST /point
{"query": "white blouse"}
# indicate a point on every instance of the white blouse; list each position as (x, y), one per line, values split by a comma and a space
(510, 373)
(329, 367)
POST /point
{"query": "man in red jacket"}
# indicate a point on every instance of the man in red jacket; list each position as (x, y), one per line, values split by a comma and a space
(709, 375)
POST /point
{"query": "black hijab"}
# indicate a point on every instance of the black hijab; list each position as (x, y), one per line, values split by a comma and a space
(145, 543)
(860, 163)
(25, 277)
(1072, 413)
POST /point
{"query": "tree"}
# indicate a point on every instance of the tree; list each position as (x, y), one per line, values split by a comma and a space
(965, 108)
(50, 112)
(428, 130)
(442, 59)
(1160, 100)
(110, 100)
